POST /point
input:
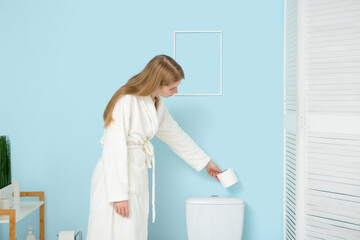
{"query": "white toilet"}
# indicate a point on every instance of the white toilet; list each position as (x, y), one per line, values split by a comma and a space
(214, 218)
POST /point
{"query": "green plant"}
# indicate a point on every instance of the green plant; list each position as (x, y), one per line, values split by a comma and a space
(5, 162)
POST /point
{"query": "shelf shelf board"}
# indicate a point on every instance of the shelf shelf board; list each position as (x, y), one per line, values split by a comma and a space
(22, 210)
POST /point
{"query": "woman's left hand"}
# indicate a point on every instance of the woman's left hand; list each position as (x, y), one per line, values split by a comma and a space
(213, 170)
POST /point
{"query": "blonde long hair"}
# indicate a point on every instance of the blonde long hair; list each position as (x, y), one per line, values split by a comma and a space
(162, 70)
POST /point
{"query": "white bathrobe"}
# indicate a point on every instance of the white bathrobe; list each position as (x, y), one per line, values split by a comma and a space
(121, 173)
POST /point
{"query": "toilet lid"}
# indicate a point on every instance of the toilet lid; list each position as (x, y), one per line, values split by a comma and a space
(215, 200)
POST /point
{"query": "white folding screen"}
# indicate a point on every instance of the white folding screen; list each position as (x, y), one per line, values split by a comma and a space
(322, 131)
(290, 113)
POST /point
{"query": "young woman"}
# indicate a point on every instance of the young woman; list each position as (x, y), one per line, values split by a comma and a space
(119, 201)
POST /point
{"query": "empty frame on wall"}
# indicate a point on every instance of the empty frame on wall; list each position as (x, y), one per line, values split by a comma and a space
(200, 55)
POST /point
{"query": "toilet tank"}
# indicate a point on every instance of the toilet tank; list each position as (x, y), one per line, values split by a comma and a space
(214, 218)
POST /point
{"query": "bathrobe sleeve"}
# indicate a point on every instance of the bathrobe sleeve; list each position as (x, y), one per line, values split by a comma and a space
(171, 133)
(115, 157)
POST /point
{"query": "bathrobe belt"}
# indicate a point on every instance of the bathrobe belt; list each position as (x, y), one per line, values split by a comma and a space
(150, 157)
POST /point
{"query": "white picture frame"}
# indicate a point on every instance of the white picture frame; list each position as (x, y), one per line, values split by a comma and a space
(220, 77)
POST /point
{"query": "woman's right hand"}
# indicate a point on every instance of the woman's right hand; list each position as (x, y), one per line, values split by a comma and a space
(122, 208)
(213, 170)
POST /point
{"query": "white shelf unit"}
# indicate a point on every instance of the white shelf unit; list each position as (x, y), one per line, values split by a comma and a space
(23, 209)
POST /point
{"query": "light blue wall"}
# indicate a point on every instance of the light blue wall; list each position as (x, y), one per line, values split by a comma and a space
(61, 61)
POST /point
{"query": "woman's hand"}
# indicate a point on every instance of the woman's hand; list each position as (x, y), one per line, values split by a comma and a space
(213, 170)
(122, 208)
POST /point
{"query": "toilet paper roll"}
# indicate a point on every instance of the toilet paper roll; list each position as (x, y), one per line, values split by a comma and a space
(227, 177)
(67, 235)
